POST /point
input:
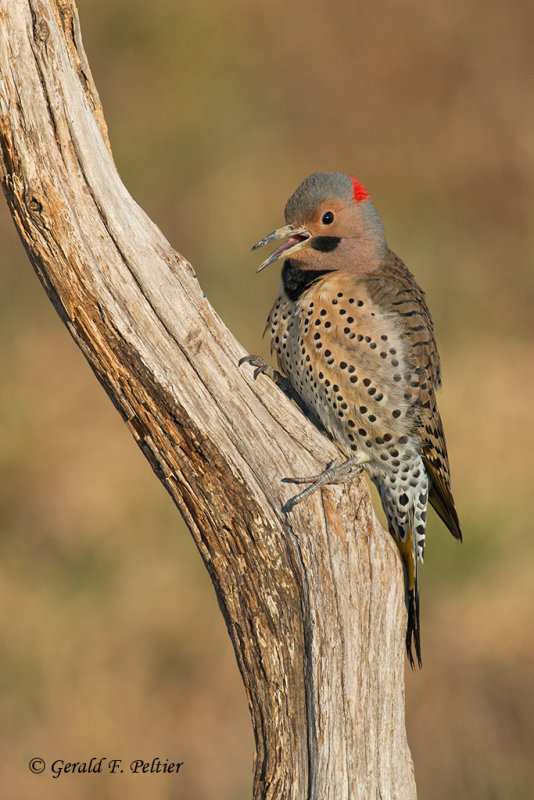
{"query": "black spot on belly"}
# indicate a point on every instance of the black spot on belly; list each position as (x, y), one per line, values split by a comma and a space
(296, 280)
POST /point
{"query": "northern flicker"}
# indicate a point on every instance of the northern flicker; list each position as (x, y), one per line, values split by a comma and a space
(354, 337)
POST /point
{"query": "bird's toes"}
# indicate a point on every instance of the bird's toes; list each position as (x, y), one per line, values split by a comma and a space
(254, 361)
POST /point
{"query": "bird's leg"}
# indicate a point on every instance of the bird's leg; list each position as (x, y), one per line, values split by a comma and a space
(334, 473)
(262, 368)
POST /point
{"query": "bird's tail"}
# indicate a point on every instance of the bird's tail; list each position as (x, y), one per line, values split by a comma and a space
(408, 551)
(413, 630)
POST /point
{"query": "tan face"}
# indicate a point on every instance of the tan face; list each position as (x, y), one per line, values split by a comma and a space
(336, 235)
(335, 218)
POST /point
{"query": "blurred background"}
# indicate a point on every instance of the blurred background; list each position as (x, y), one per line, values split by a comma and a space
(112, 643)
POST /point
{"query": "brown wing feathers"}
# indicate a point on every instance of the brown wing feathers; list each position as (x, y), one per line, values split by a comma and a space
(394, 288)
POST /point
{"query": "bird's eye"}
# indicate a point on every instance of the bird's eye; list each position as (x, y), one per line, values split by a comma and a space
(327, 218)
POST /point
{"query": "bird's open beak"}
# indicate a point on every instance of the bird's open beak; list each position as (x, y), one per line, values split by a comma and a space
(298, 238)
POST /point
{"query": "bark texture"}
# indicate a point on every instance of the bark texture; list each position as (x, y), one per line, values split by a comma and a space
(314, 600)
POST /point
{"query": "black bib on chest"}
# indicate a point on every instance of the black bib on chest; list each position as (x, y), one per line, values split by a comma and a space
(296, 280)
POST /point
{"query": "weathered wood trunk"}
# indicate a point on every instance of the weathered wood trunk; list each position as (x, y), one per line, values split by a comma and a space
(314, 600)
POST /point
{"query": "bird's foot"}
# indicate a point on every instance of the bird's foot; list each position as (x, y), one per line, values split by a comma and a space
(334, 473)
(263, 368)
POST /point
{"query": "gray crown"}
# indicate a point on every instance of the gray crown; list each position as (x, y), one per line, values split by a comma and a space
(315, 190)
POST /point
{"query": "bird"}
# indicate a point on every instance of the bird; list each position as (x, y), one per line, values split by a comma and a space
(354, 341)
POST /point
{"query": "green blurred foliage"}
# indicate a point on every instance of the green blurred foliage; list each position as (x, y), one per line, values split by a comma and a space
(112, 639)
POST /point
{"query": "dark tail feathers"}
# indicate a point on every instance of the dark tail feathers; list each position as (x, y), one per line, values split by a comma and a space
(413, 631)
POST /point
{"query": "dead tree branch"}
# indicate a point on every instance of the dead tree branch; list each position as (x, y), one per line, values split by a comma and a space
(313, 601)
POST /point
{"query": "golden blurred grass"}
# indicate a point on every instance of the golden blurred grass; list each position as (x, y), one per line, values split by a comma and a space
(112, 641)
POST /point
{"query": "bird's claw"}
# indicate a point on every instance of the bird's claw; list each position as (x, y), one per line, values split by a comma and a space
(256, 361)
(333, 474)
(263, 368)
(311, 478)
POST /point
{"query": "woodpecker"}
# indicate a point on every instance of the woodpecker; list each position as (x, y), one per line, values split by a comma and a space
(354, 338)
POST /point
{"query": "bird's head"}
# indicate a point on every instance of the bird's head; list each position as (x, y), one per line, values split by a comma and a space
(331, 224)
